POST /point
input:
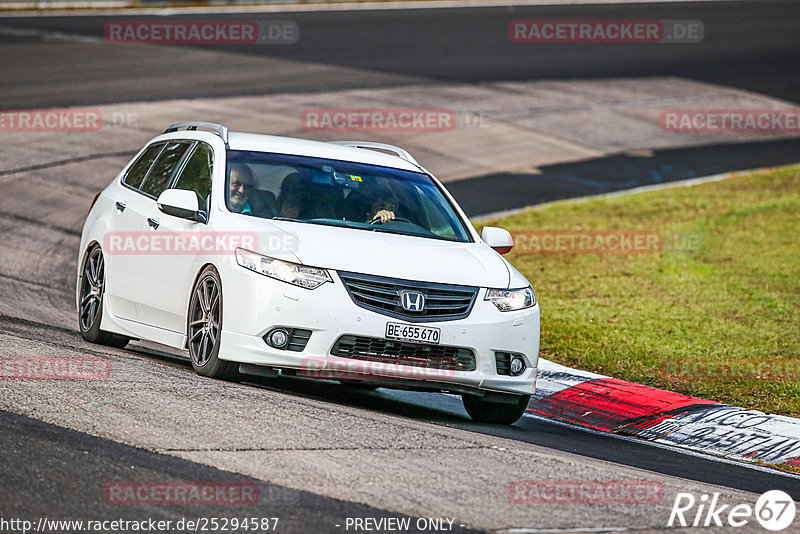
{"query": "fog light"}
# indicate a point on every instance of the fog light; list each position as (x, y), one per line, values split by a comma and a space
(517, 365)
(278, 338)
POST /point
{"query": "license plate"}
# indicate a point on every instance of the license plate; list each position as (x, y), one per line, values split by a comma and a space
(412, 333)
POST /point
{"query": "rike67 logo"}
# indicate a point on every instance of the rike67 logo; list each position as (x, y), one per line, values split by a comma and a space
(774, 510)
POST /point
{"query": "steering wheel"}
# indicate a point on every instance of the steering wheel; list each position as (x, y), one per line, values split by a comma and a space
(377, 220)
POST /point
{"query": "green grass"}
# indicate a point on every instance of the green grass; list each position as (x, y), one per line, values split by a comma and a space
(735, 298)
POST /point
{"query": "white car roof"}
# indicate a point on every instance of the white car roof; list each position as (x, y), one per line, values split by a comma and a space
(318, 149)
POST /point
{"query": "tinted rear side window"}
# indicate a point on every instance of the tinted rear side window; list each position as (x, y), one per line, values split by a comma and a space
(163, 169)
(138, 170)
(196, 174)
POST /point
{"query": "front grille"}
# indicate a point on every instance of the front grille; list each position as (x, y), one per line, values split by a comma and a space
(443, 302)
(384, 350)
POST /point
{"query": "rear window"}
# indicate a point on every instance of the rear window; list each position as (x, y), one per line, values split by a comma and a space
(159, 176)
(139, 169)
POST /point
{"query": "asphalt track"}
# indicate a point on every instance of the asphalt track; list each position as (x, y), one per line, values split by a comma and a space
(54, 61)
(53, 470)
(751, 45)
(83, 464)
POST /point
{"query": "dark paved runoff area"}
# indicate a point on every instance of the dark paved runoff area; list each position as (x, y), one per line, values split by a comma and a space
(494, 193)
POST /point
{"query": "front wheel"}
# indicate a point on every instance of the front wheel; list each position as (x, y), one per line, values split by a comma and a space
(205, 326)
(90, 306)
(492, 411)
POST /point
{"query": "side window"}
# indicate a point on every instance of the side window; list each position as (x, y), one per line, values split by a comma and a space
(159, 176)
(196, 174)
(139, 169)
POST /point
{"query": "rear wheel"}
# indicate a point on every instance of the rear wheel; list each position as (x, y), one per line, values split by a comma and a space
(90, 305)
(506, 411)
(205, 326)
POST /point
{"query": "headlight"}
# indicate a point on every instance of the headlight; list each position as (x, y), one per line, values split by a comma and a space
(292, 273)
(512, 299)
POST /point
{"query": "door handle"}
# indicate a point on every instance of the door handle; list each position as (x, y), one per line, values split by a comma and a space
(154, 224)
(121, 206)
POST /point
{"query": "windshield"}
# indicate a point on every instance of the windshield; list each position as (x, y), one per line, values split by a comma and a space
(339, 193)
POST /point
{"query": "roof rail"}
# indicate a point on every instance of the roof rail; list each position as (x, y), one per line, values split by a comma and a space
(218, 129)
(403, 154)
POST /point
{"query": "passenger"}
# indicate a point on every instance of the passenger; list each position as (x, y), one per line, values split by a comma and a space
(240, 186)
(300, 199)
(244, 198)
(264, 204)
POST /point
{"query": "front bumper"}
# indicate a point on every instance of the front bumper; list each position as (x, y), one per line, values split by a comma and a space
(254, 304)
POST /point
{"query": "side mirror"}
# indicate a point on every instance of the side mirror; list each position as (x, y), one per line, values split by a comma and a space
(181, 203)
(497, 238)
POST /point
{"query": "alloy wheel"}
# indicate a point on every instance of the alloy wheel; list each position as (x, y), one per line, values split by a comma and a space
(204, 321)
(91, 289)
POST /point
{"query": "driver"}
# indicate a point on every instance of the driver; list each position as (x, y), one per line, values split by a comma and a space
(383, 211)
(372, 204)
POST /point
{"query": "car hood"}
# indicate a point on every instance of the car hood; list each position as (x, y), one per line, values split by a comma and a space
(393, 255)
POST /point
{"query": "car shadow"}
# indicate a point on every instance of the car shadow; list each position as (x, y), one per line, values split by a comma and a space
(428, 406)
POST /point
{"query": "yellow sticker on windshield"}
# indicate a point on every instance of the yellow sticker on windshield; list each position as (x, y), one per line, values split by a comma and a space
(356, 178)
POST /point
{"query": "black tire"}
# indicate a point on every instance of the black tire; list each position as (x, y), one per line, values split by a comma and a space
(204, 326)
(90, 305)
(501, 413)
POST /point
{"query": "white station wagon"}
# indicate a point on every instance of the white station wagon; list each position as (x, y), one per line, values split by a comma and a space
(345, 261)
